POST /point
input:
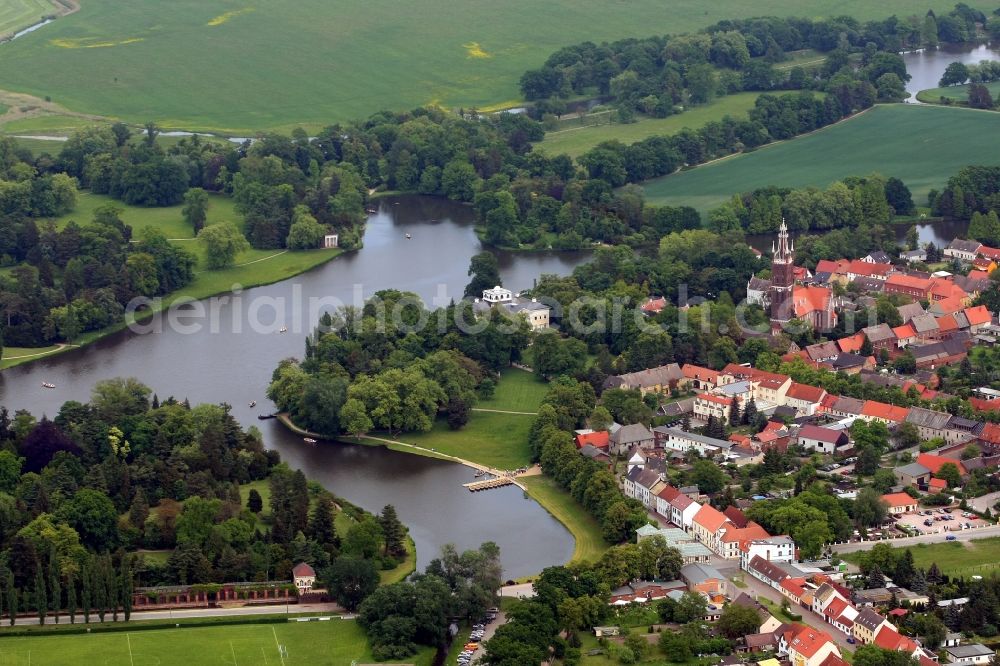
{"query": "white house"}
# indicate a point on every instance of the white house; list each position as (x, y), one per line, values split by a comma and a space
(772, 549)
(304, 577)
(975, 653)
(681, 441)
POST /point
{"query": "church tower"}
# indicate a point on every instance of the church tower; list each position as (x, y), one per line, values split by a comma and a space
(782, 278)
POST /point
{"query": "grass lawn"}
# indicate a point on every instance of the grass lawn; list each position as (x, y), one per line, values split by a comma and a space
(16, 15)
(576, 140)
(14, 355)
(590, 544)
(39, 146)
(921, 145)
(518, 391)
(956, 93)
(190, 64)
(169, 220)
(496, 440)
(335, 642)
(954, 558)
(47, 124)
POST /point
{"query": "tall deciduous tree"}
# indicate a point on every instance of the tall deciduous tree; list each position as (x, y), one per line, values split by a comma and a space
(195, 208)
(222, 243)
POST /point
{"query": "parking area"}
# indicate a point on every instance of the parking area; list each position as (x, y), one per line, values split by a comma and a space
(934, 521)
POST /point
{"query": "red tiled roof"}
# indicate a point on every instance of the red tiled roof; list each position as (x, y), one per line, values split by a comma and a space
(978, 315)
(596, 439)
(991, 433)
(794, 585)
(809, 641)
(735, 515)
(905, 331)
(898, 499)
(668, 493)
(947, 323)
(827, 266)
(654, 305)
(984, 405)
(941, 484)
(805, 393)
(303, 569)
(697, 372)
(977, 275)
(949, 305)
(810, 299)
(889, 639)
(851, 343)
(989, 252)
(880, 410)
(710, 518)
(718, 399)
(933, 462)
(908, 281)
(835, 608)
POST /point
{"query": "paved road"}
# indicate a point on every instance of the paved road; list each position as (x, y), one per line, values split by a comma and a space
(960, 535)
(184, 613)
(985, 502)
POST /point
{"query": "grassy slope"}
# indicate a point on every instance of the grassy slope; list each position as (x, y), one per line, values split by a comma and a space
(309, 62)
(253, 267)
(921, 145)
(955, 558)
(497, 440)
(18, 14)
(584, 528)
(575, 141)
(518, 391)
(957, 93)
(336, 642)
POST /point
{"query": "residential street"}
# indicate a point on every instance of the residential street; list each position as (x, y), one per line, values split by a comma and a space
(756, 589)
(960, 535)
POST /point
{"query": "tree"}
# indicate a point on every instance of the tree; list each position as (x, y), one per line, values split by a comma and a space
(321, 527)
(93, 515)
(485, 272)
(875, 577)
(949, 472)
(222, 243)
(354, 418)
(870, 509)
(195, 208)
(890, 88)
(736, 621)
(954, 74)
(41, 603)
(255, 502)
(350, 580)
(305, 233)
(393, 532)
(708, 476)
(979, 97)
(690, 608)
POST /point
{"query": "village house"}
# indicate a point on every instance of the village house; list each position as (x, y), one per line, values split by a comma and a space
(769, 573)
(817, 438)
(867, 624)
(640, 484)
(706, 525)
(732, 540)
(912, 474)
(913, 256)
(660, 380)
(804, 399)
(304, 577)
(775, 549)
(535, 313)
(811, 647)
(705, 579)
(929, 423)
(890, 415)
(707, 405)
(966, 655)
(682, 441)
(900, 503)
(625, 437)
(963, 250)
(698, 378)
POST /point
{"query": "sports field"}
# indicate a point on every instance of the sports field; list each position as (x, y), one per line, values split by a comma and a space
(574, 139)
(334, 642)
(235, 65)
(921, 145)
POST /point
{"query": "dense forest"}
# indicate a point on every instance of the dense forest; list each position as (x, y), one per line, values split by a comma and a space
(80, 494)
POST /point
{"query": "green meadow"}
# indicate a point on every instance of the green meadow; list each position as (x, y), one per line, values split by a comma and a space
(334, 642)
(19, 14)
(954, 558)
(954, 93)
(921, 145)
(575, 137)
(236, 66)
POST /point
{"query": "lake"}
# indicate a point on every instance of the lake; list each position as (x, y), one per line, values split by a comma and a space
(233, 364)
(927, 65)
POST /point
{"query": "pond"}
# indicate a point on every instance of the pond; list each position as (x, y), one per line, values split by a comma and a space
(233, 364)
(927, 65)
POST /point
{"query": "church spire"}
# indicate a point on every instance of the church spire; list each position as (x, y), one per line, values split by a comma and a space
(783, 253)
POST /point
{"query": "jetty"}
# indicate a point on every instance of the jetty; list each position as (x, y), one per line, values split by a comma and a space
(486, 484)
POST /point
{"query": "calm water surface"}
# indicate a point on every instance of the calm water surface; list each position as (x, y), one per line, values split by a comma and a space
(926, 66)
(235, 367)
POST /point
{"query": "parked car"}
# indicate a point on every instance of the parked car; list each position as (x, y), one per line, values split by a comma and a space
(950, 537)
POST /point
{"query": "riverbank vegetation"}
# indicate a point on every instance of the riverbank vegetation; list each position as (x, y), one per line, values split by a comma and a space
(587, 536)
(102, 481)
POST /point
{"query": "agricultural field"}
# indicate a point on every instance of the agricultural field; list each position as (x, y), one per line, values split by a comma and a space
(956, 93)
(234, 66)
(921, 145)
(19, 14)
(575, 139)
(334, 642)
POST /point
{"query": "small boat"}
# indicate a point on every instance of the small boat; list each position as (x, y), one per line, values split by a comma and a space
(408, 236)
(309, 440)
(48, 385)
(283, 329)
(253, 403)
(265, 417)
(480, 473)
